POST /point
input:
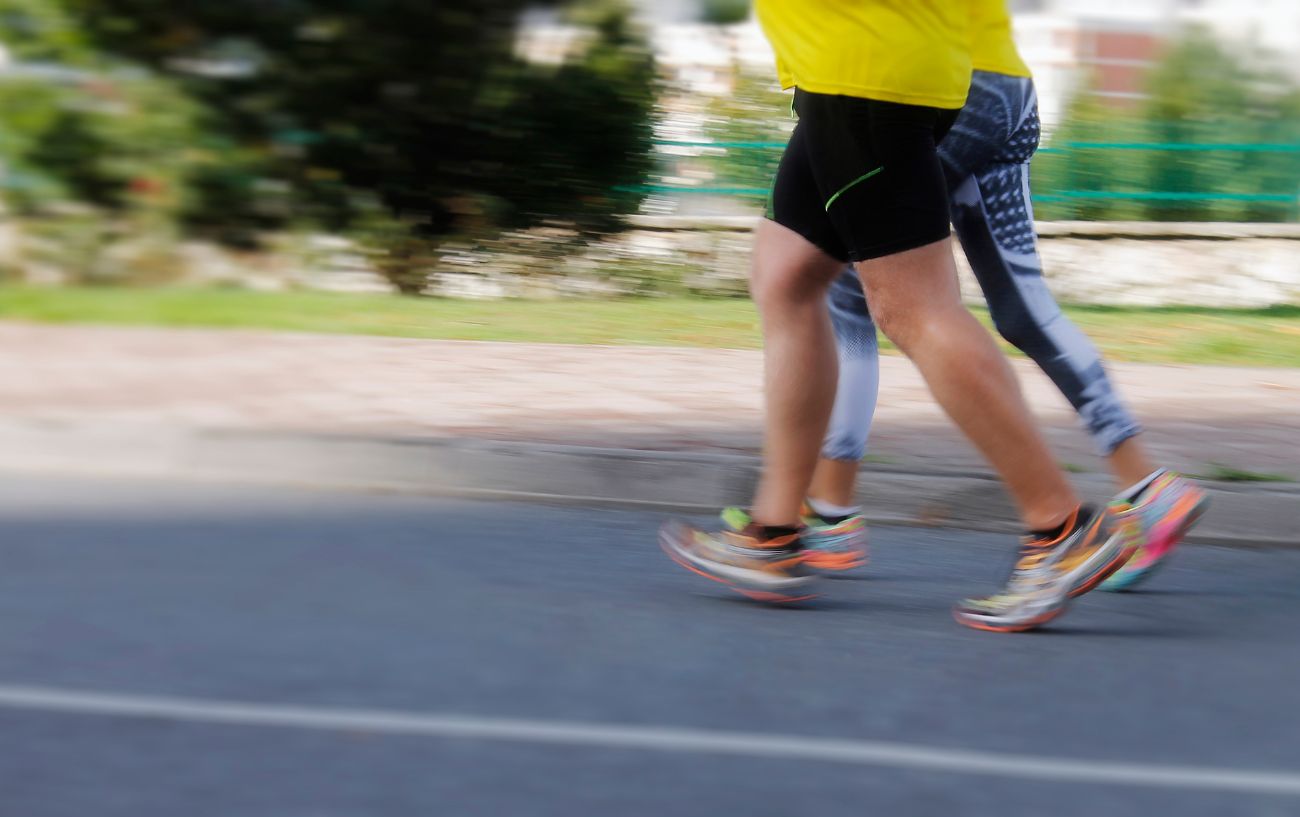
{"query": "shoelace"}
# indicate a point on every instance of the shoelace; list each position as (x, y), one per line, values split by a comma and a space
(1026, 577)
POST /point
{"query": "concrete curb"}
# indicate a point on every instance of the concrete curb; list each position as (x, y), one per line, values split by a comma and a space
(1241, 515)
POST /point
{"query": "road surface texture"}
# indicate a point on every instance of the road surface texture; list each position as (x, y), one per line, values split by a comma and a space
(212, 650)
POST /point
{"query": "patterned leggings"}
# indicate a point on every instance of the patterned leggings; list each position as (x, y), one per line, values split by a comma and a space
(986, 161)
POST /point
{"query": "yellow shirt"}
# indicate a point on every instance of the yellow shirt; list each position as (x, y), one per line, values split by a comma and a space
(916, 52)
(992, 47)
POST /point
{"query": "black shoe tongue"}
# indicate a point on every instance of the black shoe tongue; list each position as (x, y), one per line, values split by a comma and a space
(1040, 538)
(768, 532)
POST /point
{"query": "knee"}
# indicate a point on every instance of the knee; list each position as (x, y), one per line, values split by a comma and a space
(913, 295)
(1023, 326)
(776, 287)
(903, 326)
(1017, 330)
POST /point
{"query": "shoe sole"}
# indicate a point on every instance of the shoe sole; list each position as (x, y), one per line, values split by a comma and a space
(835, 562)
(1121, 558)
(1018, 627)
(766, 596)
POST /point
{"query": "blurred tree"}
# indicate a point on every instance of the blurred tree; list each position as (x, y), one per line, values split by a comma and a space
(423, 107)
(79, 128)
(41, 31)
(1200, 93)
(83, 127)
(579, 136)
(80, 157)
(724, 12)
(755, 119)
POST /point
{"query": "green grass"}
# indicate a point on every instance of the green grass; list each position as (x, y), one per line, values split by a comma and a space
(1227, 473)
(1263, 337)
(879, 459)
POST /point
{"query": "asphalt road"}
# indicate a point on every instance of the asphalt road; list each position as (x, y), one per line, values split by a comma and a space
(251, 652)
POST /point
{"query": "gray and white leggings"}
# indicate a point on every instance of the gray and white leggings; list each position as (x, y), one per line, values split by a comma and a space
(986, 161)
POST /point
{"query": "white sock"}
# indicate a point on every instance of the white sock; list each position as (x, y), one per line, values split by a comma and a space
(1134, 491)
(829, 509)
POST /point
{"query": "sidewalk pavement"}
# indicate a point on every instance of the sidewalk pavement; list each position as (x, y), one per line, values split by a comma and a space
(678, 401)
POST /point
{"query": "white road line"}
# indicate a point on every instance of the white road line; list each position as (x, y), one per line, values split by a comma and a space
(649, 738)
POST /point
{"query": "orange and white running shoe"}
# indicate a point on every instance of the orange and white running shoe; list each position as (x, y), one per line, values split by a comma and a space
(771, 569)
(1049, 573)
(830, 545)
(834, 544)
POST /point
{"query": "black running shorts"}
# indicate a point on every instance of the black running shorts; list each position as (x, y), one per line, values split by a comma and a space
(861, 178)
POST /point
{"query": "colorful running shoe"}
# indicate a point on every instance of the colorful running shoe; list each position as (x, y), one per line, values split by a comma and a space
(1049, 573)
(771, 570)
(831, 545)
(1161, 515)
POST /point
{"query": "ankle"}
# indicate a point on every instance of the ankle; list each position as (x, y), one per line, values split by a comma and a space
(1048, 534)
(1139, 485)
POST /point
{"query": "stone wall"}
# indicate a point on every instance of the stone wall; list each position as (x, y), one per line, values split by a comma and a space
(1112, 263)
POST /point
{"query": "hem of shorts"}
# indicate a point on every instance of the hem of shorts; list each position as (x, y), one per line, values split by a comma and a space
(878, 94)
(837, 256)
(896, 247)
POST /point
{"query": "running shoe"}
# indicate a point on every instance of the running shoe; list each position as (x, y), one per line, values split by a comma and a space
(1162, 515)
(1048, 573)
(771, 570)
(831, 545)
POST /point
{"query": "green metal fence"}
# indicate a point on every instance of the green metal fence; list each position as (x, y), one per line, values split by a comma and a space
(1128, 175)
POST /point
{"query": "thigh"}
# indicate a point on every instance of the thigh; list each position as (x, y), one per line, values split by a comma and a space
(910, 285)
(795, 202)
(876, 171)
